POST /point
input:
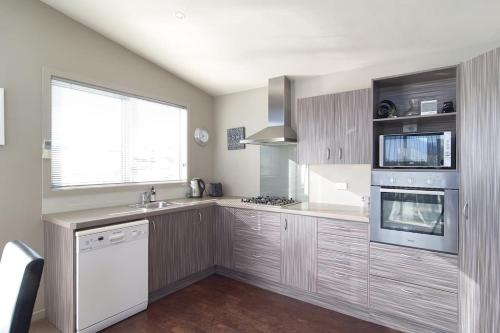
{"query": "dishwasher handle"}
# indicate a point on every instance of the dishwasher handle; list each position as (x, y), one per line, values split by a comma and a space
(117, 237)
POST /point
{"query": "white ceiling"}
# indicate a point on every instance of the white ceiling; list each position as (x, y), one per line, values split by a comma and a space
(224, 46)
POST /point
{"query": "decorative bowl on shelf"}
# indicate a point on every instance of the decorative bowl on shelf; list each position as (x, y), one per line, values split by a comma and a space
(386, 109)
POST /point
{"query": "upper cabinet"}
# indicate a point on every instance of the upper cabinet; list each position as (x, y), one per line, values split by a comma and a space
(335, 129)
(353, 129)
(315, 121)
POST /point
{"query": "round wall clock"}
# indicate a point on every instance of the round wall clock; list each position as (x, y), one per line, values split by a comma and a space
(201, 136)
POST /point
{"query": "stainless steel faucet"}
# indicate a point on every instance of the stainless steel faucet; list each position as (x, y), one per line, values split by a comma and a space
(149, 196)
(145, 196)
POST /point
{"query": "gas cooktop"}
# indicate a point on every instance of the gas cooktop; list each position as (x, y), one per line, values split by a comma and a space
(270, 200)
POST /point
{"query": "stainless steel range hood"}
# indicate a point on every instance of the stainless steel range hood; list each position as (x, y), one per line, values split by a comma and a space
(279, 131)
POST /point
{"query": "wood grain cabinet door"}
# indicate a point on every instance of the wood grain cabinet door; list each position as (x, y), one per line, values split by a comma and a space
(298, 251)
(315, 127)
(480, 194)
(167, 239)
(353, 123)
(180, 244)
(201, 242)
(335, 128)
(224, 236)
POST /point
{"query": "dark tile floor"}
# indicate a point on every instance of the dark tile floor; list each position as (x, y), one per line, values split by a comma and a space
(219, 304)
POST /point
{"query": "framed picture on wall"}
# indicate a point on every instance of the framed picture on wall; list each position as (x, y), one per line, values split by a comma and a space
(234, 135)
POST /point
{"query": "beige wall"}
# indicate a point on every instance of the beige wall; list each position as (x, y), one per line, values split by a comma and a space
(33, 36)
(323, 181)
(239, 170)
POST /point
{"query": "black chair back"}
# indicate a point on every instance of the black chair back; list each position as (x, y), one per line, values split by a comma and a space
(20, 272)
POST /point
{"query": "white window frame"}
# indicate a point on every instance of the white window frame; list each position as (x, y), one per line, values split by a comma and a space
(50, 191)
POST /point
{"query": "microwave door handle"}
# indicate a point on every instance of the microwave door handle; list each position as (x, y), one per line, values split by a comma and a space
(393, 190)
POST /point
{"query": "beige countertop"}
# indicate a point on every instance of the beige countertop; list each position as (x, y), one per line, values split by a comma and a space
(89, 218)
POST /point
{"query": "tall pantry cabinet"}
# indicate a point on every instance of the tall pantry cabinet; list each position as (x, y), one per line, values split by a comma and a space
(480, 194)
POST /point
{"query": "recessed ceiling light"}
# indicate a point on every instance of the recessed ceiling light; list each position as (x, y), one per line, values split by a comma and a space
(180, 15)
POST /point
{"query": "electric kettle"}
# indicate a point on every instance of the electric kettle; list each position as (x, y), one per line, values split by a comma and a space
(197, 186)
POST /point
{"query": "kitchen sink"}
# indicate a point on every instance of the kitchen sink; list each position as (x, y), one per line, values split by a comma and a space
(152, 205)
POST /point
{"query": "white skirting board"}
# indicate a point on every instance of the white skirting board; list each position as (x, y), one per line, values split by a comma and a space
(37, 315)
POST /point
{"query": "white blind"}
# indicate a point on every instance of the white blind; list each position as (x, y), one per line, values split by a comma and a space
(101, 137)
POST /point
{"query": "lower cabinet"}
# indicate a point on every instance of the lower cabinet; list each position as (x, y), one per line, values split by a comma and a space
(343, 260)
(415, 290)
(409, 289)
(298, 251)
(257, 243)
(224, 237)
(412, 307)
(180, 244)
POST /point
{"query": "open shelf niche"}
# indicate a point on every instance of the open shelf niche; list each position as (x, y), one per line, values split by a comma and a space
(438, 84)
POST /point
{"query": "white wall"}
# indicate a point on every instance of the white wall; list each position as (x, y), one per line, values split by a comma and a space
(34, 36)
(232, 110)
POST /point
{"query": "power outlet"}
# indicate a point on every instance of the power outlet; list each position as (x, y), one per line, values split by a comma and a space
(341, 186)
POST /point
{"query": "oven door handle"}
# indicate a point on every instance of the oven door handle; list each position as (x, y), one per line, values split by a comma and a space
(395, 190)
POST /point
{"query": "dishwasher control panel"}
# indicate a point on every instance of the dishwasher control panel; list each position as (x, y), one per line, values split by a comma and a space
(95, 239)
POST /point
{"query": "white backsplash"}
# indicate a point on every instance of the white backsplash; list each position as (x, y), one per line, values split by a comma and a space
(326, 181)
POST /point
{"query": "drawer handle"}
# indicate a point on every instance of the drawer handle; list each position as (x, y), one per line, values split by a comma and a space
(465, 211)
(256, 256)
(411, 257)
(411, 292)
(255, 229)
(340, 260)
(339, 274)
(286, 224)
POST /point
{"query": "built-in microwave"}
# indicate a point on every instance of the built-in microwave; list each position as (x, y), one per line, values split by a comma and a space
(416, 150)
(415, 209)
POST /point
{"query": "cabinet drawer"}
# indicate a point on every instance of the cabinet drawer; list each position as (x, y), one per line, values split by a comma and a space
(269, 235)
(343, 228)
(256, 222)
(342, 261)
(421, 267)
(259, 264)
(337, 243)
(423, 308)
(252, 247)
(342, 284)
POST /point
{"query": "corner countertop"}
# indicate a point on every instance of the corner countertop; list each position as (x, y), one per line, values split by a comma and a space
(91, 218)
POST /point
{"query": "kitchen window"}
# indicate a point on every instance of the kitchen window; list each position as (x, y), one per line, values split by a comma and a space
(104, 137)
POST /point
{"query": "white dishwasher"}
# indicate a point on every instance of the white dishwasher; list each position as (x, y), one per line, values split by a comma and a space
(111, 274)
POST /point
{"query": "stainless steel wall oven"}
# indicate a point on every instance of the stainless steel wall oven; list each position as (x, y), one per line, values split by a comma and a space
(416, 209)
